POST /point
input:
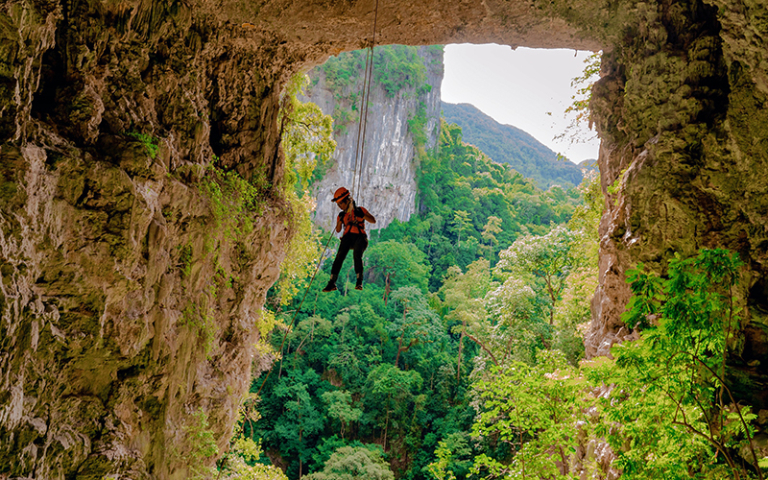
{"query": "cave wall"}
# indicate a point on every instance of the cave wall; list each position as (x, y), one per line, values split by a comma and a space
(126, 305)
(681, 110)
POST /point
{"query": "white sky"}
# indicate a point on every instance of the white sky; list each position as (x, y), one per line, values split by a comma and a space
(526, 88)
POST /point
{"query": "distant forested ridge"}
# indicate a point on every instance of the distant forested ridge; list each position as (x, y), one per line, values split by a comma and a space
(511, 145)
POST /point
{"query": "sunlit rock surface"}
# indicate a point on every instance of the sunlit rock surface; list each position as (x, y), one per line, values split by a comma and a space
(386, 170)
(105, 246)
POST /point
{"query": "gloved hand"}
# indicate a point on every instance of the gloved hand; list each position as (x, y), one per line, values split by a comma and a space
(359, 212)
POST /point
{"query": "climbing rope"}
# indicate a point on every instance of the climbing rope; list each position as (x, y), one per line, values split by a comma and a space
(360, 144)
(362, 127)
(363, 123)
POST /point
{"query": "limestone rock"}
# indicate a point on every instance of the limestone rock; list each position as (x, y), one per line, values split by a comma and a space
(386, 180)
(111, 335)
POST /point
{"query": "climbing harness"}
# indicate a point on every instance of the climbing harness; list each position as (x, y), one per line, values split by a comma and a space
(362, 127)
(350, 221)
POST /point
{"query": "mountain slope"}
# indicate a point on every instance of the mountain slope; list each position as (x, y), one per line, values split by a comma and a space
(508, 144)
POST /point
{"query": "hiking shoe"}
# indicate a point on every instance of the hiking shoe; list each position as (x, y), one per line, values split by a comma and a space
(358, 286)
(331, 287)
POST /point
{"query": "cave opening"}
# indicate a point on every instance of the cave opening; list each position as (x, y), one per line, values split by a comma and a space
(537, 98)
(220, 97)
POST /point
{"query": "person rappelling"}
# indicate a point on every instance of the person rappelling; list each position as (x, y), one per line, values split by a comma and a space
(352, 218)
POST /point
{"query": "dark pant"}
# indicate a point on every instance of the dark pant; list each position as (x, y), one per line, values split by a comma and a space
(350, 241)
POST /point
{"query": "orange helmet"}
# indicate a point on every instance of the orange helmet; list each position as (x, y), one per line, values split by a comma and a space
(340, 194)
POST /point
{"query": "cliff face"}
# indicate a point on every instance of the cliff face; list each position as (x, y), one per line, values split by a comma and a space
(387, 168)
(685, 135)
(128, 303)
(681, 109)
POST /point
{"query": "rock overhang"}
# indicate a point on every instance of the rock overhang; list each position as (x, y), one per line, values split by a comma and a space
(126, 233)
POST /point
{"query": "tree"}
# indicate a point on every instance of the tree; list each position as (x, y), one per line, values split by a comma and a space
(307, 138)
(418, 325)
(535, 410)
(449, 457)
(403, 263)
(549, 258)
(461, 222)
(340, 407)
(676, 407)
(513, 331)
(573, 312)
(301, 418)
(491, 229)
(355, 463)
(391, 395)
(464, 295)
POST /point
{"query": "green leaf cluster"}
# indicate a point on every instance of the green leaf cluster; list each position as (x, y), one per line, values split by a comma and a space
(396, 67)
(675, 379)
(149, 142)
(664, 404)
(471, 207)
(355, 463)
(308, 143)
(234, 201)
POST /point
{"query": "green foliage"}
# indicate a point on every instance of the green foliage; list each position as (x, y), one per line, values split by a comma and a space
(239, 469)
(241, 461)
(508, 145)
(417, 127)
(355, 463)
(340, 407)
(579, 112)
(402, 263)
(617, 185)
(664, 404)
(452, 457)
(398, 66)
(471, 207)
(394, 363)
(234, 201)
(549, 259)
(148, 141)
(185, 260)
(344, 70)
(675, 380)
(201, 447)
(460, 223)
(534, 410)
(491, 229)
(307, 136)
(307, 142)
